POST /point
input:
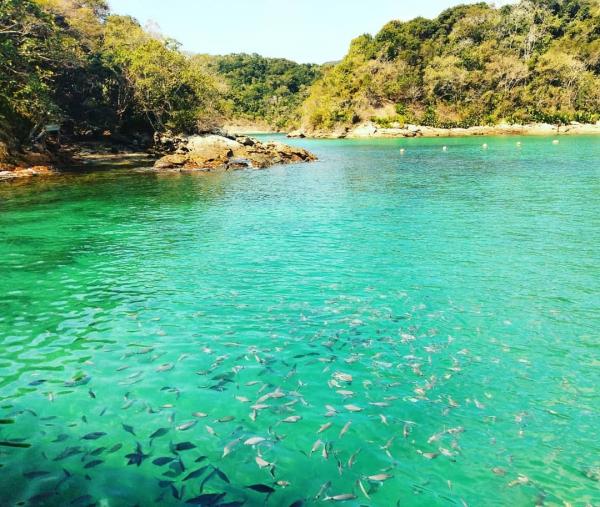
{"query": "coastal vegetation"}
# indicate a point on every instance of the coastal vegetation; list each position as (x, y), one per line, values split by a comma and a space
(261, 90)
(533, 61)
(71, 62)
(96, 74)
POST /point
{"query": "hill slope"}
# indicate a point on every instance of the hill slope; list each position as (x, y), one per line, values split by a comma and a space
(261, 90)
(538, 60)
(100, 75)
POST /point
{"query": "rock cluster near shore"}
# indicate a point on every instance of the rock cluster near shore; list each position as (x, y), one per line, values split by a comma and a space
(8, 172)
(195, 153)
(23, 165)
(216, 152)
(13, 172)
(370, 129)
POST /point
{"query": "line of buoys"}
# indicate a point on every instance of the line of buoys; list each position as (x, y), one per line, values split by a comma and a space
(485, 146)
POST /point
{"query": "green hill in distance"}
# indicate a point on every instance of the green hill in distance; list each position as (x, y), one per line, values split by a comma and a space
(533, 61)
(261, 90)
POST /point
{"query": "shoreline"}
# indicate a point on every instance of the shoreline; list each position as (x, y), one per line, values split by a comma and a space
(84, 160)
(99, 155)
(204, 154)
(371, 130)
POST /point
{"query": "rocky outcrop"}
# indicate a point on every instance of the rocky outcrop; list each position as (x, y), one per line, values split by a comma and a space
(166, 142)
(9, 172)
(195, 153)
(15, 163)
(340, 132)
(364, 130)
(215, 152)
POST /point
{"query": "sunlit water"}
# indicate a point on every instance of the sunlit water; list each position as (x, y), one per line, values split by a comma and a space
(451, 297)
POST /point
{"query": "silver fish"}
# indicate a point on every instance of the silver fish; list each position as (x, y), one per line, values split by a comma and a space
(340, 498)
(324, 427)
(316, 446)
(292, 419)
(262, 463)
(323, 489)
(362, 488)
(352, 458)
(186, 426)
(379, 477)
(254, 440)
(345, 429)
(342, 377)
(228, 448)
(352, 408)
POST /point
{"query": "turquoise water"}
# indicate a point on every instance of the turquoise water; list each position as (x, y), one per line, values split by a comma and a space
(443, 303)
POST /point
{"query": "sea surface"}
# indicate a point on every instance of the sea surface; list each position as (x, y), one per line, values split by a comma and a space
(376, 328)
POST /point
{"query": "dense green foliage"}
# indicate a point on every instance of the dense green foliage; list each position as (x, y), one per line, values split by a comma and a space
(164, 85)
(32, 48)
(268, 90)
(71, 62)
(537, 60)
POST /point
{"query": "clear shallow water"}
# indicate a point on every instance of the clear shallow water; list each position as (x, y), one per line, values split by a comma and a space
(458, 290)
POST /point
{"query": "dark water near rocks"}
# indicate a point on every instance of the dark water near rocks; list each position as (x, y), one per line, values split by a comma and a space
(444, 304)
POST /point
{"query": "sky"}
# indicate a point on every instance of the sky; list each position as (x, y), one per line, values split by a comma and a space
(306, 31)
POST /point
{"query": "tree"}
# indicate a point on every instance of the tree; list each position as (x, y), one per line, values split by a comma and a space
(32, 52)
(165, 86)
(446, 78)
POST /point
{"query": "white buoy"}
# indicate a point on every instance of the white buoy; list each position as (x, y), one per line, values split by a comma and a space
(556, 141)
(485, 146)
(519, 144)
(445, 148)
(402, 151)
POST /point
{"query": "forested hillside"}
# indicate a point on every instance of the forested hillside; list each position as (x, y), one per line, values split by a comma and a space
(73, 63)
(267, 90)
(534, 61)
